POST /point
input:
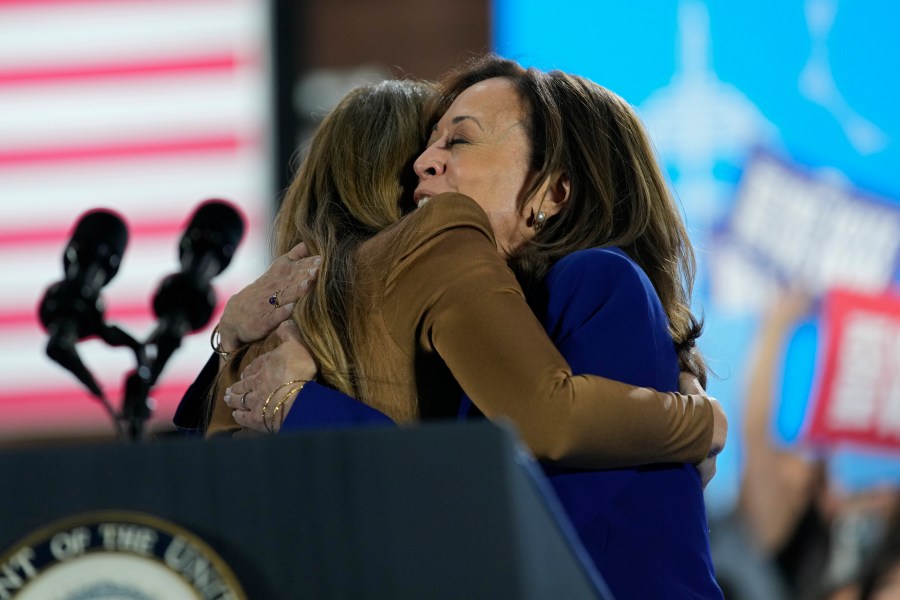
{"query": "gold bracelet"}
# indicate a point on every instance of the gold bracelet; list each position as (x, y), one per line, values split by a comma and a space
(269, 399)
(215, 340)
(287, 397)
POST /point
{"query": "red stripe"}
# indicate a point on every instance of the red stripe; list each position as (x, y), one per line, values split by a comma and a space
(134, 314)
(58, 236)
(115, 70)
(71, 408)
(123, 150)
(20, 319)
(77, 394)
(42, 3)
(142, 229)
(115, 314)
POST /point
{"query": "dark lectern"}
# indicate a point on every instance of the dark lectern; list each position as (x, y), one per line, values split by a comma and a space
(431, 512)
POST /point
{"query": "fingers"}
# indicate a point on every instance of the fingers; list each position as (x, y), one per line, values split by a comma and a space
(304, 268)
(288, 332)
(276, 317)
(240, 401)
(688, 384)
(253, 412)
(297, 252)
(251, 419)
(246, 405)
(720, 427)
(260, 308)
(305, 273)
(244, 393)
(288, 269)
(284, 271)
(707, 470)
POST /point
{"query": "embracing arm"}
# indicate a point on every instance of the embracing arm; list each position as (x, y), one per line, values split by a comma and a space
(459, 294)
(465, 304)
(248, 317)
(276, 392)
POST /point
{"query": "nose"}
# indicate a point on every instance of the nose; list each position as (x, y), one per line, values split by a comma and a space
(429, 163)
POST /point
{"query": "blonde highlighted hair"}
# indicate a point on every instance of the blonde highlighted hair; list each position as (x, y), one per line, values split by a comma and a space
(354, 181)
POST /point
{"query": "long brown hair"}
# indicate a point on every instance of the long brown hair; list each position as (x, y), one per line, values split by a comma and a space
(618, 194)
(351, 185)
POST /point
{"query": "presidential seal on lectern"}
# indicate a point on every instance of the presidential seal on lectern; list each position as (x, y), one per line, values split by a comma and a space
(115, 555)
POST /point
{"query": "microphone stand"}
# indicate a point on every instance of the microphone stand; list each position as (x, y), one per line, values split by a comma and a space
(136, 409)
(182, 304)
(71, 315)
(114, 336)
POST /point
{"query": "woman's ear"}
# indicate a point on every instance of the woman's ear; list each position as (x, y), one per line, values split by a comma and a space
(556, 194)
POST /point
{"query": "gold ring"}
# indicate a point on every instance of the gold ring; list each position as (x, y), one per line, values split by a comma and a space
(273, 299)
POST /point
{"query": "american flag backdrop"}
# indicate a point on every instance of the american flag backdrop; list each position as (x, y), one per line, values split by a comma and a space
(146, 107)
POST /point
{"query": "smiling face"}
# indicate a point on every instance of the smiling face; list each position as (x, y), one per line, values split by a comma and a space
(480, 148)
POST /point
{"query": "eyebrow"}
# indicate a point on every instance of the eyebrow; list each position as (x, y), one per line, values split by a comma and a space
(460, 119)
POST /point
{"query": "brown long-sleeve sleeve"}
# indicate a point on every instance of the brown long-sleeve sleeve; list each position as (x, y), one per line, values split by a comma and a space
(434, 298)
(449, 294)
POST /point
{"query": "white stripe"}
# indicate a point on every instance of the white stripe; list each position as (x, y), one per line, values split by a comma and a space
(146, 109)
(33, 37)
(55, 196)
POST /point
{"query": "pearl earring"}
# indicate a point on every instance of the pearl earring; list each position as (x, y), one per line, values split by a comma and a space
(539, 220)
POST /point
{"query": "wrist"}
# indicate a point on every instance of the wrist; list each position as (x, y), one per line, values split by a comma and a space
(283, 405)
(221, 344)
(303, 361)
(228, 337)
(228, 330)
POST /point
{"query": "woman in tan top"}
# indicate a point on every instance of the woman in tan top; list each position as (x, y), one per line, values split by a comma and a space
(434, 308)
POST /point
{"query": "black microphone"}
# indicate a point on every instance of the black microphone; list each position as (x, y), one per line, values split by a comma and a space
(71, 309)
(211, 237)
(185, 300)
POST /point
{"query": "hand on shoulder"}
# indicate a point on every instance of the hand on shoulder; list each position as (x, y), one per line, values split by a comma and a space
(269, 385)
(255, 311)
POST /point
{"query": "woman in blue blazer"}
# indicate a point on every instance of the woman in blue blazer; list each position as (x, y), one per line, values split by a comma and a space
(644, 528)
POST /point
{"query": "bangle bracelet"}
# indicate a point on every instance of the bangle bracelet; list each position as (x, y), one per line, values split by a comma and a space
(215, 340)
(265, 407)
(287, 397)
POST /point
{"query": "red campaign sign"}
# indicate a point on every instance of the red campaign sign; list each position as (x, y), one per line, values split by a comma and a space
(859, 392)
